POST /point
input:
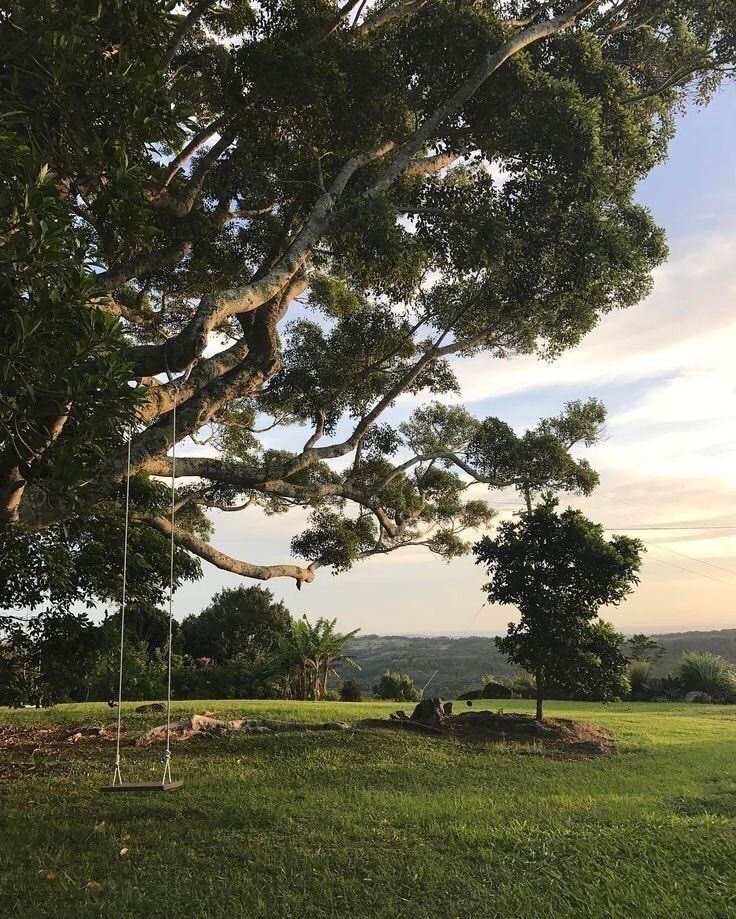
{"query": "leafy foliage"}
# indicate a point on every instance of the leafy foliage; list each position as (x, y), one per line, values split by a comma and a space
(81, 559)
(558, 570)
(243, 621)
(645, 649)
(309, 654)
(398, 687)
(351, 691)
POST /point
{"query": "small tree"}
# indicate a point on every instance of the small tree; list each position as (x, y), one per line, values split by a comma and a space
(397, 687)
(522, 683)
(640, 674)
(645, 649)
(309, 654)
(558, 570)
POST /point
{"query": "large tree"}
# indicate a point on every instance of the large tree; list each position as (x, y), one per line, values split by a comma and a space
(243, 620)
(424, 179)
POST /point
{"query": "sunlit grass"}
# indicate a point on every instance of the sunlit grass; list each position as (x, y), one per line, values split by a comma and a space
(381, 824)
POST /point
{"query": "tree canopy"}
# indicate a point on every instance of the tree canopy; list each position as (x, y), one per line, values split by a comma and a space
(243, 620)
(291, 214)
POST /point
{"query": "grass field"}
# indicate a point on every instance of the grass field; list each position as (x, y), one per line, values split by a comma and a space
(378, 824)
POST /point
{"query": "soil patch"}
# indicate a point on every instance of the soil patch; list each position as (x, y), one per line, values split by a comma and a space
(36, 750)
(34, 744)
(558, 733)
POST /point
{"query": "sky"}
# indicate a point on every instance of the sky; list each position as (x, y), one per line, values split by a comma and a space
(666, 370)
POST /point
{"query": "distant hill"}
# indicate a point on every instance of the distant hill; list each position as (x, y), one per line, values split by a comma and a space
(461, 662)
(721, 642)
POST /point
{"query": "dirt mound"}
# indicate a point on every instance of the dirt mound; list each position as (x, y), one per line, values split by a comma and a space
(207, 726)
(559, 733)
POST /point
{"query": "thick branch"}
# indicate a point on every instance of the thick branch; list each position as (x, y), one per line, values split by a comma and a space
(488, 65)
(180, 206)
(334, 23)
(23, 450)
(194, 146)
(180, 351)
(160, 399)
(184, 27)
(226, 562)
(429, 165)
(388, 14)
(120, 274)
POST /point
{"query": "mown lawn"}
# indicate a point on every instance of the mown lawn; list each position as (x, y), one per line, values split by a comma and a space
(380, 824)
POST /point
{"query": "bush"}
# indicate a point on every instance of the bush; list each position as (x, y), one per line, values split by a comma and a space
(351, 691)
(702, 671)
(143, 677)
(522, 684)
(494, 690)
(640, 674)
(397, 687)
(663, 688)
(471, 694)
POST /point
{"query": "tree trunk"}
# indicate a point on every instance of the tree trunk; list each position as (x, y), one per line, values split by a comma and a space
(540, 694)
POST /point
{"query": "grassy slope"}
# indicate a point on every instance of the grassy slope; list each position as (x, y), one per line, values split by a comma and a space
(389, 825)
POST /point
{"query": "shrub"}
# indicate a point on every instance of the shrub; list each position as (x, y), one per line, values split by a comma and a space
(351, 691)
(398, 687)
(494, 690)
(705, 672)
(522, 684)
(663, 689)
(143, 677)
(640, 674)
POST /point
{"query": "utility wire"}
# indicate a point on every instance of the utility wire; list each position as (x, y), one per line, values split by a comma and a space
(701, 574)
(691, 558)
(634, 529)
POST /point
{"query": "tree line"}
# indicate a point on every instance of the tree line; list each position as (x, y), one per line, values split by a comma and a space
(244, 644)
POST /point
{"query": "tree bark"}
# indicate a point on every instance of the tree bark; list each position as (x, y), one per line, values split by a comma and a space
(539, 676)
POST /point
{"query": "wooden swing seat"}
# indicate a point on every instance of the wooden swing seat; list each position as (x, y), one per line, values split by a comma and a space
(142, 786)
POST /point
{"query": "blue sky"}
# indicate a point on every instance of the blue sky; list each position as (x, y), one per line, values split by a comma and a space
(666, 372)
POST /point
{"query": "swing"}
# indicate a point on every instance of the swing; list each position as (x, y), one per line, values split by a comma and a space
(166, 783)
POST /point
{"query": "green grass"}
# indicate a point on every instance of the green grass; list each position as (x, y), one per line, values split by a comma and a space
(382, 824)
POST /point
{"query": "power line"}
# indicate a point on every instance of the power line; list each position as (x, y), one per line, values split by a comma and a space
(701, 574)
(636, 528)
(691, 558)
(484, 603)
(477, 613)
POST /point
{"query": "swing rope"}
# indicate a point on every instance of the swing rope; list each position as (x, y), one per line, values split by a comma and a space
(117, 778)
(167, 754)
